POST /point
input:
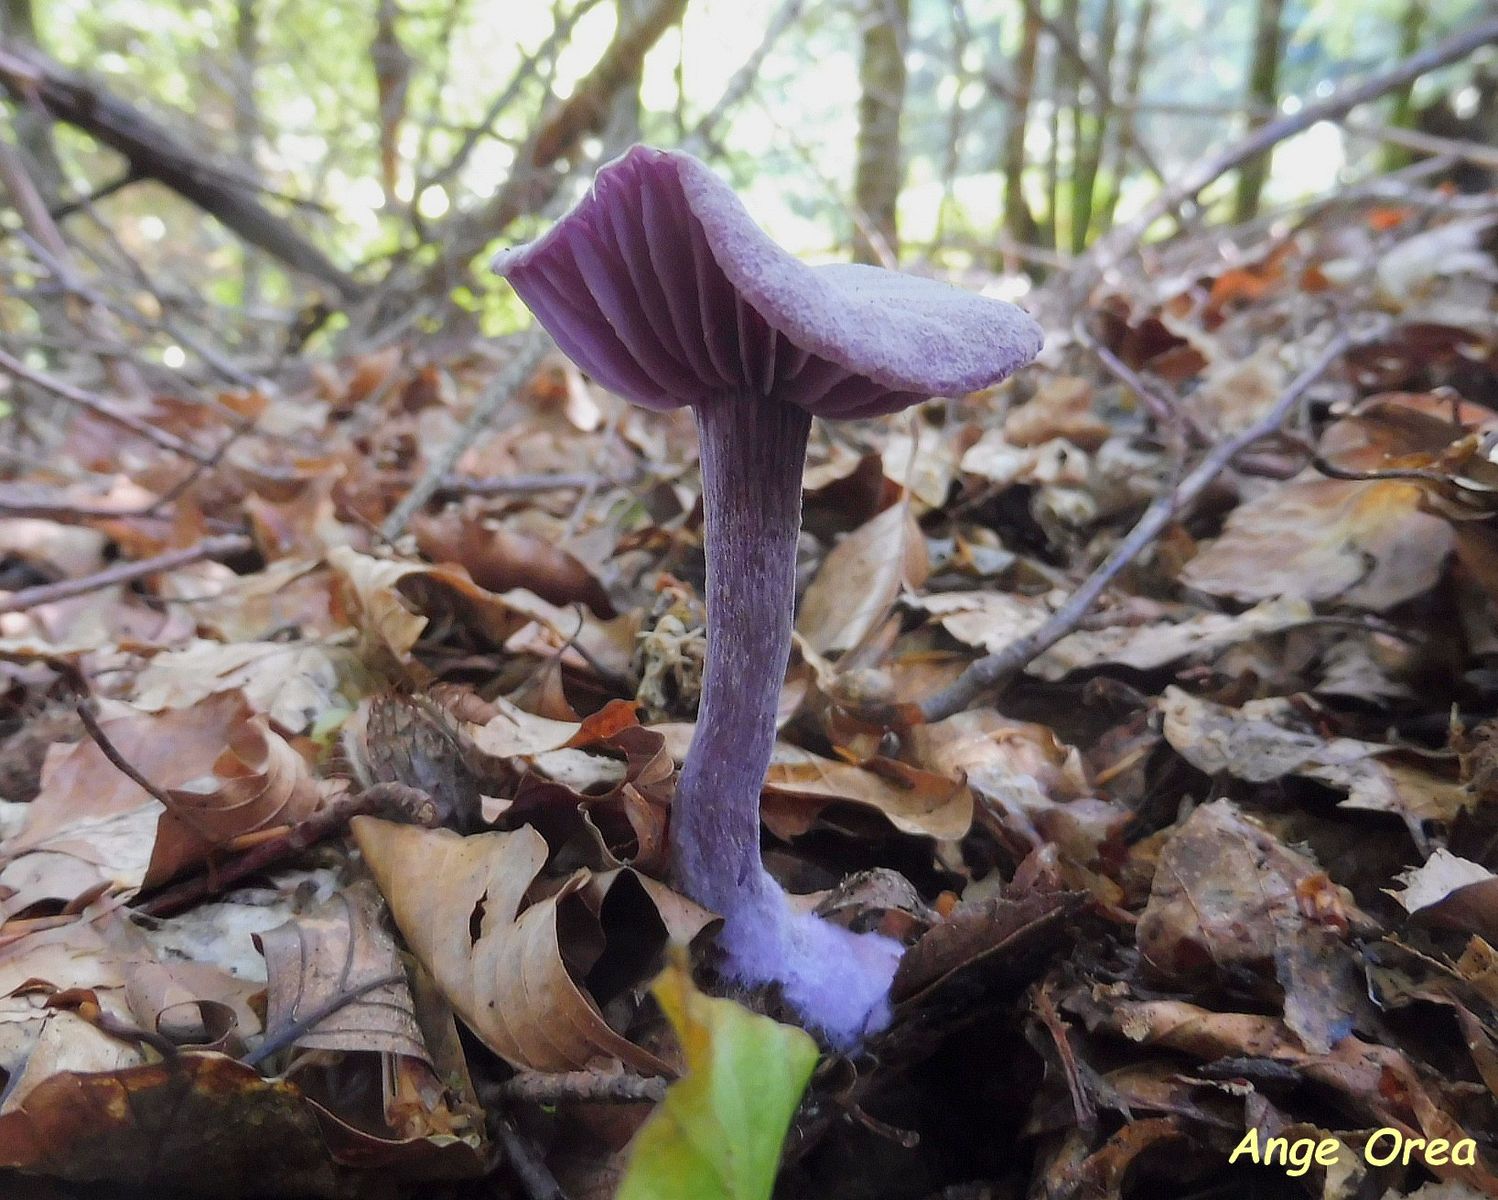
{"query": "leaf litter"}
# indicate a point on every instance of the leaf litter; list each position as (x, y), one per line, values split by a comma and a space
(380, 900)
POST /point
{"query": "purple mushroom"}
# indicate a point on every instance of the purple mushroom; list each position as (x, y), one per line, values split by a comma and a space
(660, 286)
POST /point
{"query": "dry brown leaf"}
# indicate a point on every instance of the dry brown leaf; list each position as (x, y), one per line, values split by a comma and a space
(250, 1136)
(226, 771)
(391, 602)
(986, 620)
(1365, 544)
(493, 949)
(508, 731)
(329, 952)
(912, 800)
(1453, 891)
(860, 580)
(294, 683)
(1227, 902)
(1266, 740)
(990, 943)
(1190, 634)
(1061, 408)
(287, 594)
(1026, 772)
(500, 558)
(1377, 1082)
(1235, 394)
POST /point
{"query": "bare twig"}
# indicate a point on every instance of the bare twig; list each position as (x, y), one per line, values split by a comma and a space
(1426, 143)
(1173, 420)
(112, 752)
(523, 75)
(614, 1087)
(532, 346)
(154, 151)
(127, 572)
(287, 1035)
(512, 485)
(1123, 238)
(995, 671)
(407, 804)
(527, 1163)
(123, 376)
(703, 135)
(102, 409)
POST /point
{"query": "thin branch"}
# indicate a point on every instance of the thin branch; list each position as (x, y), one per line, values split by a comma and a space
(533, 345)
(102, 409)
(995, 671)
(288, 1034)
(1111, 249)
(395, 801)
(120, 763)
(93, 319)
(1478, 153)
(703, 134)
(526, 1162)
(546, 1087)
(523, 74)
(127, 572)
(511, 485)
(155, 151)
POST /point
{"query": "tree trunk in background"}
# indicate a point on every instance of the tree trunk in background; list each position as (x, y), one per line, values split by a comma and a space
(392, 72)
(1123, 144)
(1410, 29)
(535, 179)
(881, 103)
(1019, 221)
(1089, 129)
(33, 126)
(1066, 81)
(1262, 99)
(156, 152)
(622, 129)
(951, 159)
(247, 128)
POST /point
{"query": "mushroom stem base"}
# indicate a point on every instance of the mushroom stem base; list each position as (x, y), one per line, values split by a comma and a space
(837, 980)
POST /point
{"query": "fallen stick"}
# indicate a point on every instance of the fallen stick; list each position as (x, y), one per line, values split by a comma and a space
(287, 1036)
(532, 346)
(995, 671)
(393, 800)
(1112, 248)
(102, 409)
(127, 572)
(593, 1087)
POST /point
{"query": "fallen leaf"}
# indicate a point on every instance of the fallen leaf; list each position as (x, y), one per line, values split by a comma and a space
(1226, 903)
(717, 1134)
(860, 580)
(1364, 544)
(1266, 740)
(225, 771)
(250, 1136)
(493, 949)
(1061, 408)
(330, 952)
(296, 684)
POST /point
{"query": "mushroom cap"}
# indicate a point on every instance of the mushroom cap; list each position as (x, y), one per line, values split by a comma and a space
(660, 285)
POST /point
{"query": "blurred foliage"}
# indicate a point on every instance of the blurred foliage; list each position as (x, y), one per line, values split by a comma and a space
(300, 117)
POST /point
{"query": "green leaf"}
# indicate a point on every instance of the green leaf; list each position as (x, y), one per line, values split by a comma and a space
(717, 1134)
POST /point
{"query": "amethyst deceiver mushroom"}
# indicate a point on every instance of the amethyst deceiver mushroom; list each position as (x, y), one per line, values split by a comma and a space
(660, 286)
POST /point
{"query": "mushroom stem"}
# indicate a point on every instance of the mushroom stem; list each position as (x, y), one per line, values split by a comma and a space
(753, 451)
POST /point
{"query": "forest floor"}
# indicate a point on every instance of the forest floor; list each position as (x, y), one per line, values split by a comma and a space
(1213, 853)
